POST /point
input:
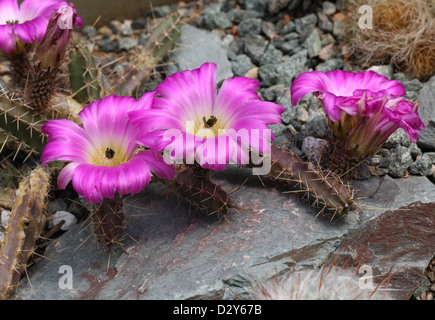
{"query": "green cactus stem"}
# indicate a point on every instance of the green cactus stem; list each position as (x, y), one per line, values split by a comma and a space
(83, 74)
(27, 221)
(22, 124)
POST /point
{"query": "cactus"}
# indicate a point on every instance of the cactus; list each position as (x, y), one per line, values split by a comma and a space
(203, 193)
(83, 74)
(22, 125)
(27, 221)
(318, 284)
(109, 219)
(324, 190)
(159, 43)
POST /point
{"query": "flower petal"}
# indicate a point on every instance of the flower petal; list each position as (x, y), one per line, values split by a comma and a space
(8, 11)
(7, 39)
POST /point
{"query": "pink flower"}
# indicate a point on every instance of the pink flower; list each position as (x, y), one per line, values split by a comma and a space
(215, 128)
(364, 108)
(51, 50)
(25, 23)
(104, 155)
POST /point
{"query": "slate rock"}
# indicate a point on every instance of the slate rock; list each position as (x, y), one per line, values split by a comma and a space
(396, 247)
(255, 46)
(271, 55)
(426, 141)
(107, 45)
(195, 47)
(426, 109)
(331, 64)
(249, 27)
(422, 166)
(126, 43)
(180, 255)
(313, 44)
(290, 67)
(399, 161)
(242, 64)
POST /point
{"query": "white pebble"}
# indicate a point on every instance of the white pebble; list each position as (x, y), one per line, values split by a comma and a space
(70, 220)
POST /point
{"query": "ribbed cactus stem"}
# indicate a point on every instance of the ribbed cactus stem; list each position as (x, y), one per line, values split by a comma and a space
(22, 124)
(109, 219)
(83, 74)
(157, 46)
(27, 221)
(201, 192)
(322, 189)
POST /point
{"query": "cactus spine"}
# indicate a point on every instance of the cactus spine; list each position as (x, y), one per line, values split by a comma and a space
(83, 74)
(27, 221)
(324, 190)
(203, 193)
(109, 218)
(157, 46)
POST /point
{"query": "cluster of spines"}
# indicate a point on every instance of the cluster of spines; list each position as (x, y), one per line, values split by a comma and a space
(21, 126)
(202, 192)
(323, 190)
(27, 222)
(156, 47)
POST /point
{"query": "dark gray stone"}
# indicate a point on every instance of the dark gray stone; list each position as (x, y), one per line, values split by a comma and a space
(271, 55)
(399, 161)
(289, 44)
(268, 29)
(107, 45)
(398, 137)
(422, 166)
(412, 86)
(268, 74)
(139, 23)
(339, 29)
(89, 32)
(241, 65)
(195, 47)
(427, 139)
(126, 43)
(324, 24)
(313, 44)
(274, 6)
(290, 67)
(235, 16)
(317, 126)
(288, 28)
(331, 64)
(215, 20)
(180, 255)
(305, 25)
(258, 5)
(328, 8)
(249, 27)
(415, 150)
(255, 46)
(426, 110)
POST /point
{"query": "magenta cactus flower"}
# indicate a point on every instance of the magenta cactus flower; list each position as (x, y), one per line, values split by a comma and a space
(364, 108)
(104, 155)
(209, 127)
(26, 23)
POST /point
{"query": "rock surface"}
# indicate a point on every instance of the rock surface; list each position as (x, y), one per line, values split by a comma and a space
(197, 46)
(177, 254)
